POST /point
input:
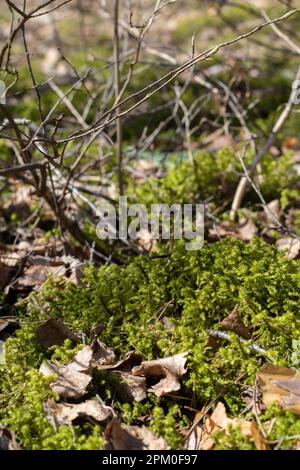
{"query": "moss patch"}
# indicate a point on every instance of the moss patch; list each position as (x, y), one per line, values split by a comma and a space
(201, 289)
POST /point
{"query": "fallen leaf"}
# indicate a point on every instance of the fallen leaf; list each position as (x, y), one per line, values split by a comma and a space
(234, 323)
(65, 413)
(8, 440)
(72, 379)
(42, 268)
(272, 208)
(291, 246)
(170, 368)
(199, 437)
(123, 437)
(37, 275)
(245, 230)
(54, 332)
(130, 359)
(281, 385)
(202, 437)
(131, 387)
(103, 356)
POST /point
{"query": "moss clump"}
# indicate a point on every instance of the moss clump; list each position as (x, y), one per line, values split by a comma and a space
(198, 290)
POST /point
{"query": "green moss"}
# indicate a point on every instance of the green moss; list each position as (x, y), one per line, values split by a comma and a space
(204, 287)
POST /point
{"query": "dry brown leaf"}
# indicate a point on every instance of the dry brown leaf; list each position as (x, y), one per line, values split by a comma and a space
(8, 440)
(41, 268)
(65, 413)
(37, 275)
(130, 359)
(54, 332)
(103, 356)
(234, 323)
(131, 387)
(72, 379)
(170, 368)
(245, 230)
(291, 247)
(281, 385)
(202, 437)
(123, 437)
(274, 208)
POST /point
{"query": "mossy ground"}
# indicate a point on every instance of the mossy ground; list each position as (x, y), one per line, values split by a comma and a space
(201, 288)
(196, 290)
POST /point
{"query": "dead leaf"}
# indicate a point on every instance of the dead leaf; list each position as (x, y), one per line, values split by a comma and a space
(72, 379)
(37, 275)
(245, 230)
(65, 413)
(8, 440)
(233, 322)
(130, 359)
(42, 268)
(272, 208)
(170, 368)
(199, 436)
(103, 356)
(291, 246)
(281, 385)
(202, 437)
(131, 387)
(54, 332)
(123, 437)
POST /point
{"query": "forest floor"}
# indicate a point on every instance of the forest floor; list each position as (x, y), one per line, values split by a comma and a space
(113, 344)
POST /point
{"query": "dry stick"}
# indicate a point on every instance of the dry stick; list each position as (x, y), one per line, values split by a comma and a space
(117, 79)
(244, 181)
(224, 335)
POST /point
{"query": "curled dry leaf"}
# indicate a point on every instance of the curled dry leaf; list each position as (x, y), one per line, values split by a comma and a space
(170, 368)
(281, 385)
(72, 379)
(54, 332)
(103, 356)
(202, 437)
(130, 359)
(131, 387)
(291, 247)
(234, 323)
(8, 440)
(121, 437)
(65, 413)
